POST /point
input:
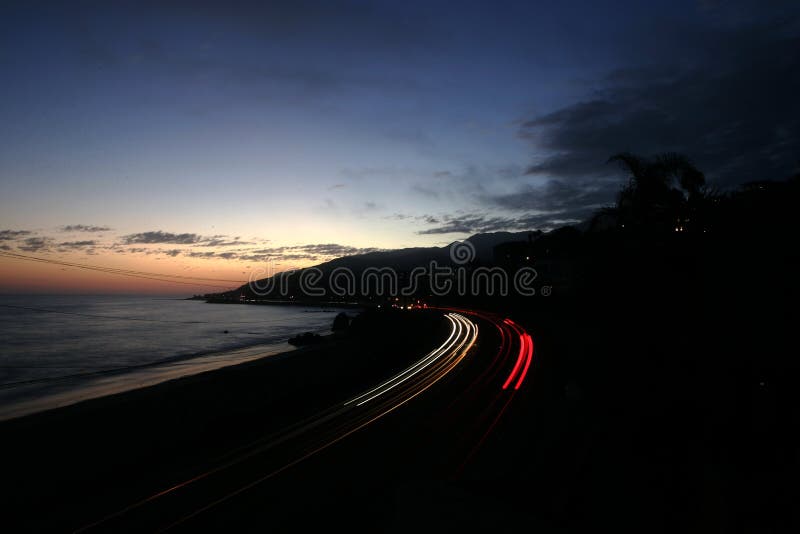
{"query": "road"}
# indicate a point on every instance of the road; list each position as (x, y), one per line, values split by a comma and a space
(468, 404)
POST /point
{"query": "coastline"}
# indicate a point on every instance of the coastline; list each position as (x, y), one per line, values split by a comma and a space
(62, 351)
(156, 435)
(24, 399)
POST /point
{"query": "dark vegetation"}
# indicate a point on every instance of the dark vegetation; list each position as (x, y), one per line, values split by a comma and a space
(666, 389)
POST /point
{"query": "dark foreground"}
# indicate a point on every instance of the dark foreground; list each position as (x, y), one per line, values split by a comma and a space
(67, 467)
(629, 421)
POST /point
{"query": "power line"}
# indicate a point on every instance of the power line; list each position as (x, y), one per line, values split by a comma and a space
(175, 279)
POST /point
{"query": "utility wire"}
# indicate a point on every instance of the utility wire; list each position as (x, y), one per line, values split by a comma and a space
(175, 279)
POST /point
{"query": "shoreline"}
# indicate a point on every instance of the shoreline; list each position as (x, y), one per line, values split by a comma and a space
(37, 396)
(158, 435)
(160, 358)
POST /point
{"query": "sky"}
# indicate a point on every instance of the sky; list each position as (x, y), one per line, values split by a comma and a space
(220, 139)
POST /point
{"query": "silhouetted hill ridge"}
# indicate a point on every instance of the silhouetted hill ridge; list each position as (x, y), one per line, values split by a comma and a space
(405, 259)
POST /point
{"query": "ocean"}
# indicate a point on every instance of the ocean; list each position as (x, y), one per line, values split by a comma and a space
(58, 350)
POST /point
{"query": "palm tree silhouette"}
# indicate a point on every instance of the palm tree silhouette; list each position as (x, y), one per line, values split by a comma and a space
(665, 192)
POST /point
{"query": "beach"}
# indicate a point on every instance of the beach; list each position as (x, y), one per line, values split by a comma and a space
(62, 350)
(95, 456)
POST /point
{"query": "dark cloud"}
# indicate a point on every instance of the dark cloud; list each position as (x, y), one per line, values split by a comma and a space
(332, 249)
(560, 199)
(159, 237)
(734, 111)
(195, 254)
(35, 244)
(309, 252)
(480, 223)
(12, 235)
(173, 252)
(5, 247)
(84, 228)
(469, 224)
(78, 244)
(218, 242)
(162, 237)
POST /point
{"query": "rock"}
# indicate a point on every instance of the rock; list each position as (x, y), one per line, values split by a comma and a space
(306, 338)
(341, 322)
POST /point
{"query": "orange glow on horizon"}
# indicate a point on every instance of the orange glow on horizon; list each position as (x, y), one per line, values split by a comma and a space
(22, 276)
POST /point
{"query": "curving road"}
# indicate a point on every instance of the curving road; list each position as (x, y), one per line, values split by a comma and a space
(479, 407)
(259, 461)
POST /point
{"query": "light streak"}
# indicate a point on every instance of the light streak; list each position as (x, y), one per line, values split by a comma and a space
(426, 362)
(454, 332)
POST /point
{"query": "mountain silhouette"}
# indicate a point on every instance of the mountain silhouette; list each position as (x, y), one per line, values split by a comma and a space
(402, 260)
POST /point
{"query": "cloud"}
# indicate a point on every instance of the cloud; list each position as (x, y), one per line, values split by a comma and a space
(468, 224)
(161, 237)
(35, 244)
(195, 254)
(559, 200)
(735, 112)
(84, 228)
(5, 247)
(333, 249)
(12, 235)
(311, 251)
(308, 252)
(467, 182)
(78, 244)
(218, 242)
(481, 223)
(337, 186)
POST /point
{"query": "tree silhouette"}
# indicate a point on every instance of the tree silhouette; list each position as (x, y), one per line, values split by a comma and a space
(663, 193)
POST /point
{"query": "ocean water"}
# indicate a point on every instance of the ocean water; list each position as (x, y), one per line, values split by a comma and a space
(58, 350)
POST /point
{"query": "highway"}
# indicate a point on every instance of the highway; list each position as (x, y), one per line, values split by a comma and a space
(257, 462)
(475, 408)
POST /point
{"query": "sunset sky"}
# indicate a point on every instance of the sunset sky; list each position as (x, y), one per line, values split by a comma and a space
(214, 139)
